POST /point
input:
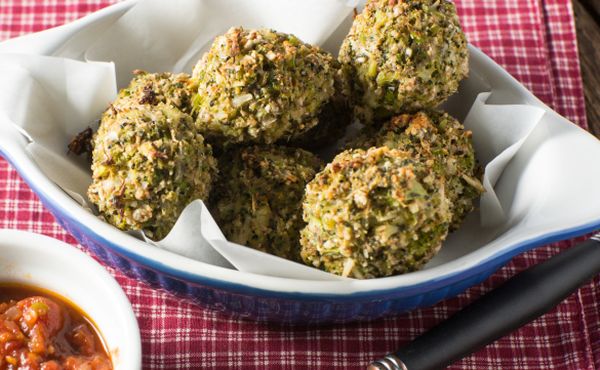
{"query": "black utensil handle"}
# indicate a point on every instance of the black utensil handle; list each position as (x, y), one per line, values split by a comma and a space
(518, 301)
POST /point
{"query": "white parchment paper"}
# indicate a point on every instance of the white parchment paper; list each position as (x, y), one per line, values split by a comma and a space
(159, 36)
(51, 99)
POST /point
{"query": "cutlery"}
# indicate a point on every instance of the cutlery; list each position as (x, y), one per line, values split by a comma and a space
(521, 299)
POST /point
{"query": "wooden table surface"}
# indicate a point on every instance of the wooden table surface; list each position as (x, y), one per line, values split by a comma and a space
(587, 21)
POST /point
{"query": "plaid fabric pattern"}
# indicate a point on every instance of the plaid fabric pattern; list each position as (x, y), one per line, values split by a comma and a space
(535, 41)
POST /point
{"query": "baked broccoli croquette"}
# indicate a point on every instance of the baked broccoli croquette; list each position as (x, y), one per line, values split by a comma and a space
(148, 164)
(402, 56)
(258, 200)
(173, 90)
(260, 86)
(374, 213)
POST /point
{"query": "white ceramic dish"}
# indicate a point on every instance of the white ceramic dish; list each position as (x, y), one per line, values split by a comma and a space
(39, 261)
(557, 152)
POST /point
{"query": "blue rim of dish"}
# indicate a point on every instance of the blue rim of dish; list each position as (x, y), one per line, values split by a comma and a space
(489, 264)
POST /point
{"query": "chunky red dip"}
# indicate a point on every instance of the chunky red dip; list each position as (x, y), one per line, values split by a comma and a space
(40, 331)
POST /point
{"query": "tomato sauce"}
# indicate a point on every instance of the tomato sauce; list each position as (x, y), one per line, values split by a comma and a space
(42, 331)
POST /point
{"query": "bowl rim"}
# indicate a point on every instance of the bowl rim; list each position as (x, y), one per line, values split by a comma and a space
(32, 242)
(171, 264)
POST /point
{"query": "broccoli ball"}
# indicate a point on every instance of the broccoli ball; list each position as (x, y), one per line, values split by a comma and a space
(438, 137)
(174, 90)
(148, 164)
(374, 213)
(260, 86)
(402, 56)
(258, 200)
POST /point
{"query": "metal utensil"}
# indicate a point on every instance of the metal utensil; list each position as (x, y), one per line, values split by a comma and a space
(521, 299)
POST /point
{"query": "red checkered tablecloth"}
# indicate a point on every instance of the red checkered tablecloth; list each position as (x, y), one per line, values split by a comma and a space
(535, 41)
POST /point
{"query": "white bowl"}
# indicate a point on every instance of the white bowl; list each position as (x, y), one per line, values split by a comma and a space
(39, 261)
(558, 153)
